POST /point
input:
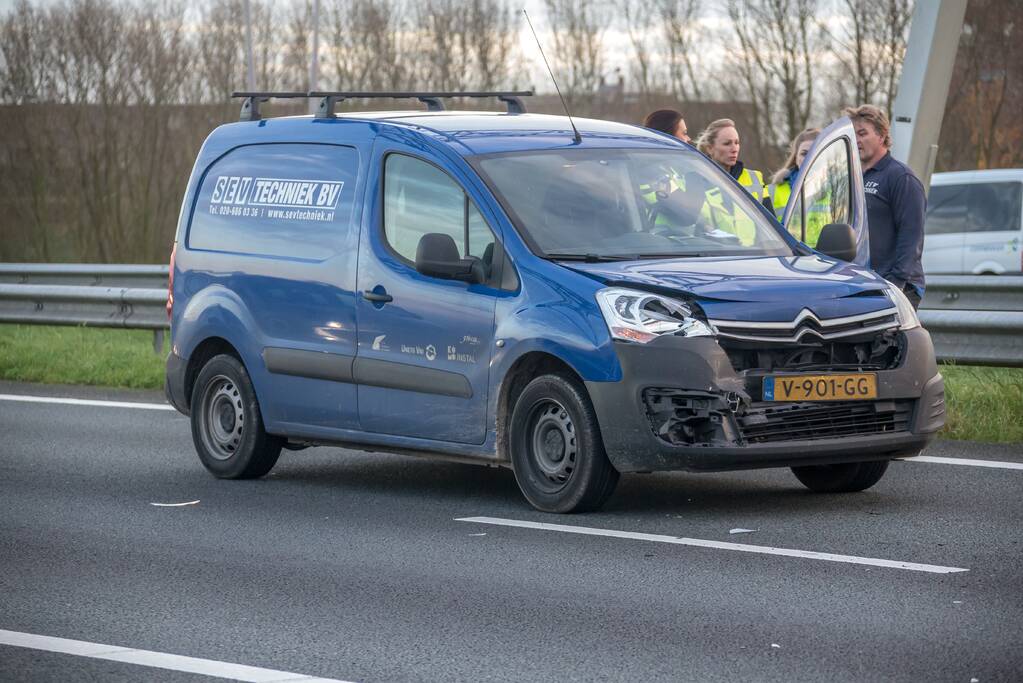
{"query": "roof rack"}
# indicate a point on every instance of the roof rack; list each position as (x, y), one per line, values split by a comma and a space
(250, 107)
(432, 100)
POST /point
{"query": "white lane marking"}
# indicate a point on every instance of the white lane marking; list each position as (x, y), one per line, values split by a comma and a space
(174, 505)
(157, 660)
(967, 461)
(720, 545)
(86, 402)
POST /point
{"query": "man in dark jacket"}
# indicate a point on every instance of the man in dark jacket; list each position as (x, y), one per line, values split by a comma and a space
(896, 205)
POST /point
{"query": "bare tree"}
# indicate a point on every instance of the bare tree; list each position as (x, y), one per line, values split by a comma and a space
(491, 40)
(982, 127)
(679, 21)
(156, 44)
(870, 51)
(221, 38)
(777, 43)
(444, 51)
(93, 70)
(577, 34)
(644, 41)
(463, 45)
(296, 48)
(93, 170)
(26, 181)
(366, 44)
(26, 53)
(266, 39)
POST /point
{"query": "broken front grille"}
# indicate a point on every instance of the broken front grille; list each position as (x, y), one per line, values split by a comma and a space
(687, 418)
(807, 421)
(877, 351)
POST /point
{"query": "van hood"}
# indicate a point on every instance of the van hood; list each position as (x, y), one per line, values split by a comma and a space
(769, 288)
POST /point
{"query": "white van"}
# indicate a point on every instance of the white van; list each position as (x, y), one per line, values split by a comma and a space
(975, 223)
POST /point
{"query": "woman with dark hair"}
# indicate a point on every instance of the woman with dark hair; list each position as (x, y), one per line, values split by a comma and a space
(668, 121)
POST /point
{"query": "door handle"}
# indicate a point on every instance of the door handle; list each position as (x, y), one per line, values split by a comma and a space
(377, 297)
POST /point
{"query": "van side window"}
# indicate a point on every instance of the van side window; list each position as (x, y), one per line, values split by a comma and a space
(947, 209)
(280, 200)
(974, 207)
(826, 192)
(995, 207)
(419, 198)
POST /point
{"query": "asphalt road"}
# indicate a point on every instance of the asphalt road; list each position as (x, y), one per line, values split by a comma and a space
(353, 566)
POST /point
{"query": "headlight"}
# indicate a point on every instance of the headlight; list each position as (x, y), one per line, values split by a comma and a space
(641, 317)
(907, 315)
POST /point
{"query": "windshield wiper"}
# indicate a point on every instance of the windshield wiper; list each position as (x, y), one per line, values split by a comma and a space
(590, 258)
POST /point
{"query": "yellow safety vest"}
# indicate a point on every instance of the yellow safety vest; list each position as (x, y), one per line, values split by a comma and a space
(779, 194)
(753, 181)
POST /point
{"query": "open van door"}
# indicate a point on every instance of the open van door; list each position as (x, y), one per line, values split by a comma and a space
(829, 189)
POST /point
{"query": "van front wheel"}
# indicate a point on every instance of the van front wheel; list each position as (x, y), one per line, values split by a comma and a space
(845, 478)
(556, 450)
(227, 427)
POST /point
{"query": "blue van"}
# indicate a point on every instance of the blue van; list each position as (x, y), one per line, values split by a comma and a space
(497, 288)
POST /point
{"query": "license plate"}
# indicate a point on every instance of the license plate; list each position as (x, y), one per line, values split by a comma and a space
(820, 387)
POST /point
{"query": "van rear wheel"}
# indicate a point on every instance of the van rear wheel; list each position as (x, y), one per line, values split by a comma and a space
(556, 450)
(844, 478)
(227, 427)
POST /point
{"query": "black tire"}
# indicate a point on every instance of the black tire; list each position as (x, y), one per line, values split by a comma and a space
(845, 478)
(227, 427)
(556, 450)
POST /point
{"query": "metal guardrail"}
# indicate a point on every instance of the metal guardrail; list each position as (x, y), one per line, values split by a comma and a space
(85, 274)
(122, 296)
(972, 319)
(975, 319)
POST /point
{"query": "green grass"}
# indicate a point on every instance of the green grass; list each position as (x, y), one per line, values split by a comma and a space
(80, 355)
(984, 404)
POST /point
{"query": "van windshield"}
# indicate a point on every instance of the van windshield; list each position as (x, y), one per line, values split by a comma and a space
(628, 204)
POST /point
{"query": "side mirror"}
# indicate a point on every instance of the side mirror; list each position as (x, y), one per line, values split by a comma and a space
(838, 240)
(437, 256)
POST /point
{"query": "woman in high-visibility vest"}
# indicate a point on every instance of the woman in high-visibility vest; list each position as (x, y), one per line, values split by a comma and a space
(720, 142)
(781, 185)
(667, 121)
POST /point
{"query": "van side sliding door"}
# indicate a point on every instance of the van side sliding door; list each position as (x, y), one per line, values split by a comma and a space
(425, 342)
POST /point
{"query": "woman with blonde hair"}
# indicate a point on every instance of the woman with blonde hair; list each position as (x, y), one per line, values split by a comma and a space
(720, 142)
(781, 184)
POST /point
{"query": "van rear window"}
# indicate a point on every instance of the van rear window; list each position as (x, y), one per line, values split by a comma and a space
(282, 200)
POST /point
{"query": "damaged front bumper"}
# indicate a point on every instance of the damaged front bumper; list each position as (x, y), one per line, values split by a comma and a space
(682, 406)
